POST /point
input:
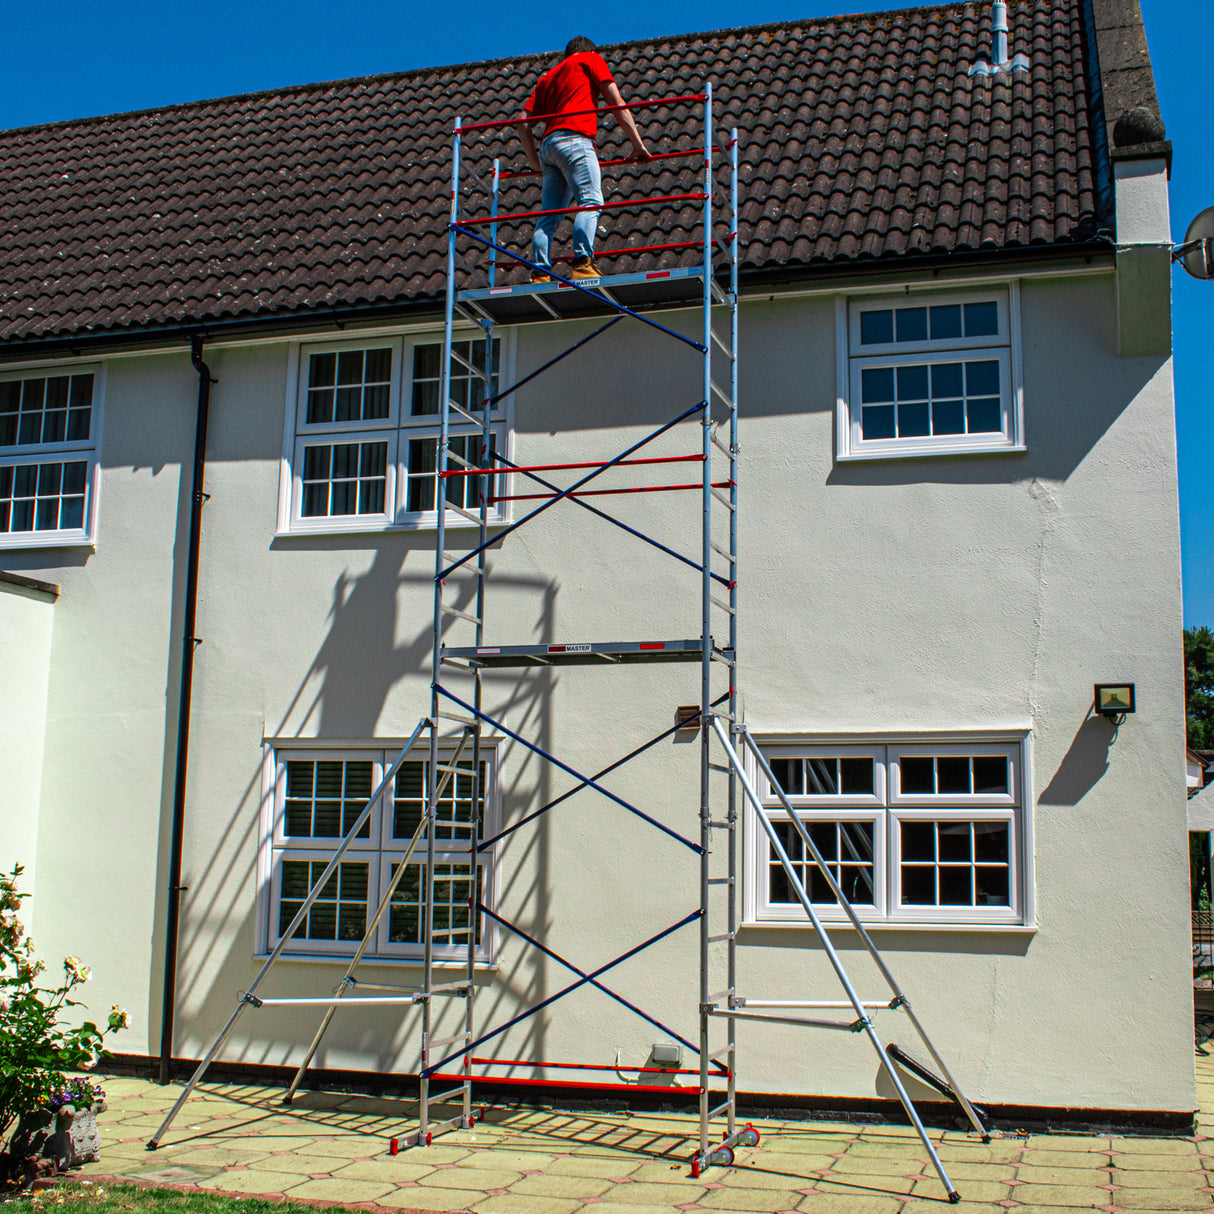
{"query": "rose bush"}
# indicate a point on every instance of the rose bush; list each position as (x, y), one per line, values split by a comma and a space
(35, 1048)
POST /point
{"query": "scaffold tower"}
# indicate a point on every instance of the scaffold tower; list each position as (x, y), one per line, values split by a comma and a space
(475, 477)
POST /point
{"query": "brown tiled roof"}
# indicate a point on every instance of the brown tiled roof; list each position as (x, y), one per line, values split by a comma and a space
(863, 140)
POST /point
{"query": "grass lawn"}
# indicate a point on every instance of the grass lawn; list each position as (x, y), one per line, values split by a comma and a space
(85, 1197)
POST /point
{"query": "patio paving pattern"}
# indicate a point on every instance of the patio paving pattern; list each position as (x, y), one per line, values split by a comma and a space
(333, 1149)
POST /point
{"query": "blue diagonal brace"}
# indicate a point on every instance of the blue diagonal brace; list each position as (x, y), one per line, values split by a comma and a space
(588, 781)
(596, 295)
(573, 986)
(564, 493)
(640, 535)
(486, 844)
(600, 986)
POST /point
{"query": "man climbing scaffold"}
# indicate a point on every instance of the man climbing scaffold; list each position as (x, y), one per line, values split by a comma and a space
(564, 99)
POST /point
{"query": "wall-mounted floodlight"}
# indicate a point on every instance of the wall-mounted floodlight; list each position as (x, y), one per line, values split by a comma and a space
(1113, 699)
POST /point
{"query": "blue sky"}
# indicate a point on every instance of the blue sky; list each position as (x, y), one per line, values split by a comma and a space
(71, 59)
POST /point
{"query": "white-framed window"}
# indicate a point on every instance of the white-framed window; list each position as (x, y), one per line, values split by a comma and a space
(50, 422)
(914, 832)
(360, 451)
(311, 799)
(929, 374)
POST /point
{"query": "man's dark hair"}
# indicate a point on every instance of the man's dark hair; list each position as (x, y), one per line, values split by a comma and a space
(578, 44)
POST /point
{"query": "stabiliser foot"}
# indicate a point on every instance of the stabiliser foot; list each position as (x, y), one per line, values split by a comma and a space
(151, 1146)
(954, 1196)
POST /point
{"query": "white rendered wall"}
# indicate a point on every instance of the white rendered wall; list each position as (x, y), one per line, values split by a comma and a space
(26, 624)
(967, 593)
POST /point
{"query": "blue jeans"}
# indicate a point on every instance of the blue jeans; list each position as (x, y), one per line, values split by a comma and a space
(571, 178)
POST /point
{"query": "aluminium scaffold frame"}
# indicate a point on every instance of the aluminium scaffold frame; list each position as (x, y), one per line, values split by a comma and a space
(459, 479)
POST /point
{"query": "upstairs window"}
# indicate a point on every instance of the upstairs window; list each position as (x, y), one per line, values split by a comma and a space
(363, 434)
(49, 424)
(930, 375)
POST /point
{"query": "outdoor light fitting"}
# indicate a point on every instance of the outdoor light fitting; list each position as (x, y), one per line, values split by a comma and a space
(1113, 699)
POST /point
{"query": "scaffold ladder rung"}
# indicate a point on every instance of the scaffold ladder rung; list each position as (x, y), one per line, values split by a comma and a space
(445, 1096)
(475, 519)
(721, 550)
(723, 500)
(717, 341)
(723, 447)
(470, 417)
(463, 615)
(723, 605)
(457, 717)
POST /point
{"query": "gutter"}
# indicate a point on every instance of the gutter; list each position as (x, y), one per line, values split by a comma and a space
(423, 309)
(189, 642)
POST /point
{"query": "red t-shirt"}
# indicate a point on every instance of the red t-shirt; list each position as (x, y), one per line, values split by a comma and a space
(568, 88)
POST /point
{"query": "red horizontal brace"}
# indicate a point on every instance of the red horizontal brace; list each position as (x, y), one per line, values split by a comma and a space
(607, 206)
(584, 1066)
(606, 109)
(509, 174)
(570, 1083)
(655, 459)
(528, 497)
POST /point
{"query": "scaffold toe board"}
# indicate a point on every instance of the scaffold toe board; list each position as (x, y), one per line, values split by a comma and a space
(648, 289)
(578, 653)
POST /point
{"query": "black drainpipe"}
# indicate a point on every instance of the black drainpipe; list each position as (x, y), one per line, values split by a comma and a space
(189, 642)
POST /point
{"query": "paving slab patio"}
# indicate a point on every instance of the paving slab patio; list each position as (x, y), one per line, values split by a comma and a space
(335, 1148)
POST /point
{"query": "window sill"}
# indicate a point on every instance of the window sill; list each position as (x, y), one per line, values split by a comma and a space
(457, 523)
(47, 540)
(935, 452)
(886, 925)
(447, 966)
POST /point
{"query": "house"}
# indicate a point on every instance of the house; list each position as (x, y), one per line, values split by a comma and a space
(958, 512)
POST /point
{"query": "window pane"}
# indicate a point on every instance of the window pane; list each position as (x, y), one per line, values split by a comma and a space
(918, 886)
(876, 384)
(349, 367)
(913, 421)
(992, 886)
(912, 324)
(918, 841)
(322, 370)
(912, 383)
(877, 421)
(991, 841)
(946, 380)
(946, 322)
(948, 417)
(876, 327)
(985, 416)
(953, 774)
(857, 776)
(423, 464)
(956, 886)
(990, 774)
(953, 841)
(822, 776)
(918, 775)
(981, 320)
(982, 378)
(788, 776)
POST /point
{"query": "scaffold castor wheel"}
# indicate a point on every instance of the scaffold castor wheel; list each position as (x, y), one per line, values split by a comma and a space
(749, 1137)
(428, 1137)
(954, 1196)
(695, 1167)
(722, 1157)
(394, 1146)
(472, 1122)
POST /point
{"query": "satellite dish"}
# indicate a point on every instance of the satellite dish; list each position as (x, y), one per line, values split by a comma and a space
(1197, 252)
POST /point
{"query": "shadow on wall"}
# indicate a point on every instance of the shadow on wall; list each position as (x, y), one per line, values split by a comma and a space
(344, 690)
(1084, 764)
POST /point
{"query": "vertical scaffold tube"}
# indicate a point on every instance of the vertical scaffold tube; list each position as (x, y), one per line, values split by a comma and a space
(705, 620)
(732, 888)
(440, 543)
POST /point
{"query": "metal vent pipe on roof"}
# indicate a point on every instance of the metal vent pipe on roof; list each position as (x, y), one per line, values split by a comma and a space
(1002, 65)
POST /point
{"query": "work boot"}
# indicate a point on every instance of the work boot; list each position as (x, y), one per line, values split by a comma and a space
(540, 276)
(585, 267)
